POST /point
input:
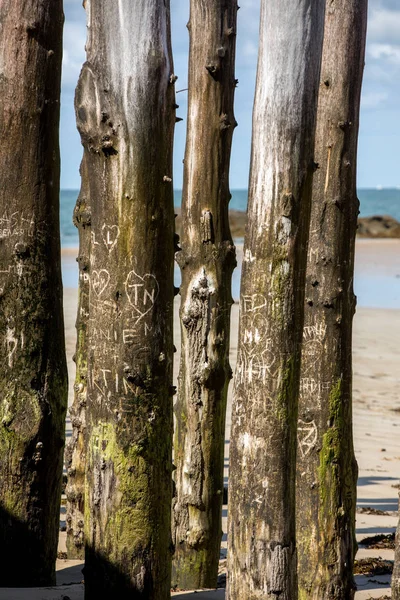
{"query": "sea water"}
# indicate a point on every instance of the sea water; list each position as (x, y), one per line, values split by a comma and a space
(372, 202)
(373, 289)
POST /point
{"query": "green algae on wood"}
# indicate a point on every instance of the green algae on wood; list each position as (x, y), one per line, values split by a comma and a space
(125, 114)
(207, 259)
(33, 375)
(261, 538)
(327, 470)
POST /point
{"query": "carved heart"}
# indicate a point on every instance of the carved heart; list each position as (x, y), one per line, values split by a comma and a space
(110, 235)
(100, 280)
(142, 292)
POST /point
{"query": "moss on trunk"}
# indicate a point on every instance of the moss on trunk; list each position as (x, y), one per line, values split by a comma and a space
(326, 469)
(125, 111)
(262, 556)
(33, 376)
(207, 259)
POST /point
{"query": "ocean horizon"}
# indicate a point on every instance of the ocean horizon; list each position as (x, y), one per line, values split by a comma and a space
(375, 286)
(373, 201)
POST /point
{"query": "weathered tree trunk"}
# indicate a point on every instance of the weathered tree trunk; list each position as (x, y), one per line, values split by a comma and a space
(75, 454)
(125, 109)
(207, 260)
(262, 550)
(326, 466)
(33, 376)
(396, 566)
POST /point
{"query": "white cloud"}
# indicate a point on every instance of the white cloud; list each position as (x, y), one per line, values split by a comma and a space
(373, 99)
(385, 52)
(381, 81)
(384, 26)
(74, 43)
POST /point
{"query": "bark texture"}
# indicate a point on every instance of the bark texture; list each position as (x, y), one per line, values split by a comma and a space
(396, 566)
(207, 259)
(262, 550)
(33, 376)
(125, 110)
(75, 454)
(326, 466)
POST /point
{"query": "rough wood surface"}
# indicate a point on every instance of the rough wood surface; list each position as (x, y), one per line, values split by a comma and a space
(75, 453)
(326, 465)
(125, 109)
(261, 531)
(33, 376)
(207, 259)
(396, 566)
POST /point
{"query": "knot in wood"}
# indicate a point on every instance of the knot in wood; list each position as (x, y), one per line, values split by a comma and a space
(85, 218)
(328, 304)
(107, 146)
(280, 568)
(193, 313)
(224, 122)
(21, 250)
(213, 69)
(288, 204)
(206, 225)
(343, 125)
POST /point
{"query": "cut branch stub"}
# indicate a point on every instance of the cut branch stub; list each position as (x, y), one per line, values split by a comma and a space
(207, 259)
(126, 124)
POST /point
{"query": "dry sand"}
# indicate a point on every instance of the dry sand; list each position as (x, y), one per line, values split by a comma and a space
(376, 426)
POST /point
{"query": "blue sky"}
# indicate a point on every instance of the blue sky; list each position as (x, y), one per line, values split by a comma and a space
(379, 144)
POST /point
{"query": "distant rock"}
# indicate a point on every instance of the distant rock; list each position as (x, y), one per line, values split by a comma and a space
(378, 227)
(237, 222)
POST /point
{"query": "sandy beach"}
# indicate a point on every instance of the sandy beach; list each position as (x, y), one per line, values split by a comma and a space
(376, 411)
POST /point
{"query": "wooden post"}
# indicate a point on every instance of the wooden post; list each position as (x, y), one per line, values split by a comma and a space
(75, 454)
(125, 110)
(207, 259)
(261, 537)
(326, 466)
(396, 566)
(33, 375)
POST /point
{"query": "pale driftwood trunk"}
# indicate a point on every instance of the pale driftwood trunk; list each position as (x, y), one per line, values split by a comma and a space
(33, 376)
(261, 538)
(207, 259)
(326, 466)
(75, 454)
(125, 109)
